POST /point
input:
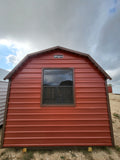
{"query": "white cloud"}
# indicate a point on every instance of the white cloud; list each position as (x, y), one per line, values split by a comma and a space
(115, 75)
(114, 72)
(86, 26)
(11, 59)
(5, 42)
(9, 70)
(19, 48)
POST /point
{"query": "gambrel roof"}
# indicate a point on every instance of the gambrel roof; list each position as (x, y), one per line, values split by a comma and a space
(54, 48)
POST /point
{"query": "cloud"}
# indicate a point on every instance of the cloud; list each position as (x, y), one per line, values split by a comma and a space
(90, 26)
(11, 59)
(108, 47)
(48, 23)
(19, 50)
(115, 74)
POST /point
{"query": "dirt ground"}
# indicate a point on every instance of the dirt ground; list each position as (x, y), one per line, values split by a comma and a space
(98, 153)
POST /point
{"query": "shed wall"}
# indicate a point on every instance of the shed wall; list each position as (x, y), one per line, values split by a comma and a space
(109, 89)
(3, 94)
(84, 124)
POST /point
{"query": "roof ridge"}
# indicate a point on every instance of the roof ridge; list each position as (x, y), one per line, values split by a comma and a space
(54, 48)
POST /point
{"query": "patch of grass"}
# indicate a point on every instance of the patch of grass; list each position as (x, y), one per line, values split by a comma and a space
(87, 154)
(27, 156)
(50, 152)
(62, 157)
(15, 149)
(2, 153)
(82, 149)
(42, 151)
(113, 121)
(117, 148)
(104, 148)
(73, 155)
(116, 115)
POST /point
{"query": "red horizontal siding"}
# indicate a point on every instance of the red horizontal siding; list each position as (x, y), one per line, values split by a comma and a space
(37, 95)
(61, 61)
(78, 105)
(58, 144)
(57, 127)
(74, 133)
(109, 89)
(56, 116)
(84, 124)
(51, 110)
(67, 122)
(50, 55)
(34, 66)
(56, 140)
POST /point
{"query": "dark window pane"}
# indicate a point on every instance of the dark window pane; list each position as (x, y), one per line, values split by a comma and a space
(58, 95)
(57, 77)
(58, 86)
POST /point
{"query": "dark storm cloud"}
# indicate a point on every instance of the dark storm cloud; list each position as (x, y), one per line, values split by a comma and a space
(109, 43)
(51, 22)
(90, 26)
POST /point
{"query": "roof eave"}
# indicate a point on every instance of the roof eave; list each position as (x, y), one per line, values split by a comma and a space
(99, 67)
(8, 76)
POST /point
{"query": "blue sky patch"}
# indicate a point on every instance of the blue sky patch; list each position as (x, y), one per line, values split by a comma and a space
(112, 10)
(4, 52)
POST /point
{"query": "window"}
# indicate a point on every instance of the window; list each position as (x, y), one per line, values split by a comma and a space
(57, 86)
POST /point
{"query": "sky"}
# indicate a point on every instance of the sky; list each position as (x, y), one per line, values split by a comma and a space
(89, 26)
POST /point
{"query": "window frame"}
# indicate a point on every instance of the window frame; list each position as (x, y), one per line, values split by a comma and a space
(59, 105)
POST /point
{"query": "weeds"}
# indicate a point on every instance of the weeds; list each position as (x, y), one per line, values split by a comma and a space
(117, 148)
(2, 153)
(42, 151)
(116, 115)
(87, 154)
(50, 152)
(62, 157)
(113, 121)
(82, 149)
(15, 149)
(73, 155)
(104, 148)
(27, 155)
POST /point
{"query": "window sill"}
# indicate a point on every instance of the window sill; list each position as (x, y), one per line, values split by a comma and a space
(57, 105)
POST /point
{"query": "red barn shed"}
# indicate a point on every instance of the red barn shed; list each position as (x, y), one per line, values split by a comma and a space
(109, 88)
(57, 97)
